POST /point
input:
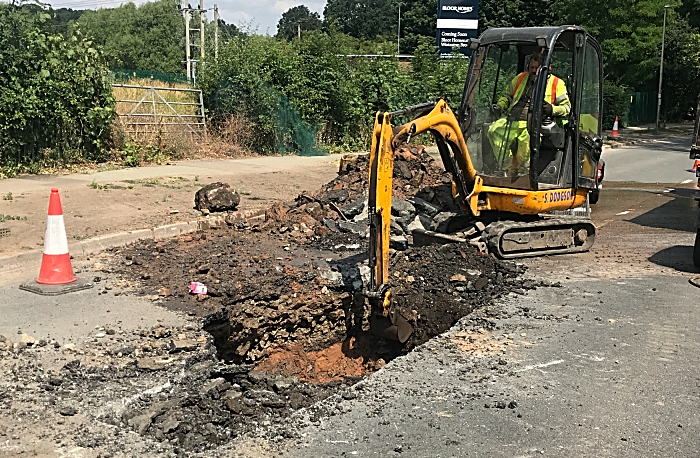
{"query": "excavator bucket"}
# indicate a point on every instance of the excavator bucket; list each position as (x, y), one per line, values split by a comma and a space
(383, 327)
(385, 320)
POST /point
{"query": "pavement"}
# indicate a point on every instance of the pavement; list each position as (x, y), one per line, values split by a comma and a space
(204, 168)
(112, 208)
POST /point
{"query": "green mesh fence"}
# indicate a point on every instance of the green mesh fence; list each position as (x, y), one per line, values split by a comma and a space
(293, 134)
(122, 75)
(642, 108)
(277, 125)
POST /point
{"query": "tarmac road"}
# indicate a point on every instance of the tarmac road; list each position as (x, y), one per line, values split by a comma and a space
(664, 160)
(608, 369)
(605, 365)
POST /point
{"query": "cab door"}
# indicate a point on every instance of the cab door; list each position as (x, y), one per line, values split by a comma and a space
(589, 114)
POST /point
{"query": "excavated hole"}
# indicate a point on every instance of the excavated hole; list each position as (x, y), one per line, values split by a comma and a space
(279, 305)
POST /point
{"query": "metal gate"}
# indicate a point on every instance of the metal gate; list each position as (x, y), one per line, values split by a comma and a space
(179, 111)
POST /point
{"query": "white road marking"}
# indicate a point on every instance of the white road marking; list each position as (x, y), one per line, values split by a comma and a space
(622, 213)
(539, 366)
(686, 181)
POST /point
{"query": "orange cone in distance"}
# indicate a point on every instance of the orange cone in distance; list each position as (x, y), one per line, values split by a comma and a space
(56, 268)
(696, 165)
(614, 133)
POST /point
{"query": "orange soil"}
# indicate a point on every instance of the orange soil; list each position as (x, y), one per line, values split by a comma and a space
(332, 363)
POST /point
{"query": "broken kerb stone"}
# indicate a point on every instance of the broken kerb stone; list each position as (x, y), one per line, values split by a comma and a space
(440, 218)
(396, 228)
(354, 208)
(330, 224)
(356, 228)
(399, 243)
(417, 223)
(337, 196)
(336, 278)
(217, 197)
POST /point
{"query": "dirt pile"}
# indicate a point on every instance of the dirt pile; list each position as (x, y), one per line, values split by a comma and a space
(421, 191)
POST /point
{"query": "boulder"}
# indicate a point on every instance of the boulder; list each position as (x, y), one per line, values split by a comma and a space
(217, 197)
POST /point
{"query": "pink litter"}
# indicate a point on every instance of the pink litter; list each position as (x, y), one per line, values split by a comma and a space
(198, 288)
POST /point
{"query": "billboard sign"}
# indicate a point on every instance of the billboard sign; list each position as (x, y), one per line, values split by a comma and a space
(458, 21)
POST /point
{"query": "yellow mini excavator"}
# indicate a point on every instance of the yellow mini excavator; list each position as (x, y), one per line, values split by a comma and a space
(507, 194)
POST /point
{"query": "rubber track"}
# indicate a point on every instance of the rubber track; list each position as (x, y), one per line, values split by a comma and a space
(494, 232)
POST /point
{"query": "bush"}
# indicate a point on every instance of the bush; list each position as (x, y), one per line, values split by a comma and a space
(56, 101)
(616, 102)
(304, 96)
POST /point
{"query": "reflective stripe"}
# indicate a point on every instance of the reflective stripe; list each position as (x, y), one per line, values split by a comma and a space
(55, 240)
(555, 81)
(520, 80)
(561, 98)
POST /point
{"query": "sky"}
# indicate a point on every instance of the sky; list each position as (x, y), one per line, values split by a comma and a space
(262, 15)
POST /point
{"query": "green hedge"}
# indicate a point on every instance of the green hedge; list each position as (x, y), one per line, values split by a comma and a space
(56, 100)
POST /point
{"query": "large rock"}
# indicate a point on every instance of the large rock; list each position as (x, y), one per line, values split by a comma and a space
(423, 206)
(401, 207)
(217, 197)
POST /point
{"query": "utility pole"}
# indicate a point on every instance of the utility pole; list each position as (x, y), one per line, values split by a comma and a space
(299, 30)
(201, 29)
(398, 38)
(188, 55)
(661, 70)
(216, 32)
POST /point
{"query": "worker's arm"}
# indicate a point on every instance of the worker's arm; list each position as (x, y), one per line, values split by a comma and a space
(506, 99)
(562, 105)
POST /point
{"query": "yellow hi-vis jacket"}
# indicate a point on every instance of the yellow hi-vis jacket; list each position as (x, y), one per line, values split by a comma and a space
(555, 94)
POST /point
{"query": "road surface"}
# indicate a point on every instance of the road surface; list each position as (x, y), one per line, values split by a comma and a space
(659, 161)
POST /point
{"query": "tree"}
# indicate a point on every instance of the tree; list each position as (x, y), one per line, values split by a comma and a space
(681, 70)
(418, 20)
(629, 34)
(296, 19)
(147, 37)
(366, 19)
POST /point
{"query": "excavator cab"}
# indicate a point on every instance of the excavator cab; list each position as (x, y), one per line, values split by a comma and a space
(528, 150)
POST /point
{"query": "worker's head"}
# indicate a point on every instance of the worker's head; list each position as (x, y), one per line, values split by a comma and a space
(535, 62)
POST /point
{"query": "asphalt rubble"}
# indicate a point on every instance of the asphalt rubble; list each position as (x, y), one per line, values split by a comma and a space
(282, 325)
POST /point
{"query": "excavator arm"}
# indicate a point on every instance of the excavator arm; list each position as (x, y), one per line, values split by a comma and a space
(438, 118)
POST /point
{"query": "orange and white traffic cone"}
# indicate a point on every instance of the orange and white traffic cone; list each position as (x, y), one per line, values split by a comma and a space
(56, 268)
(614, 133)
(696, 166)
